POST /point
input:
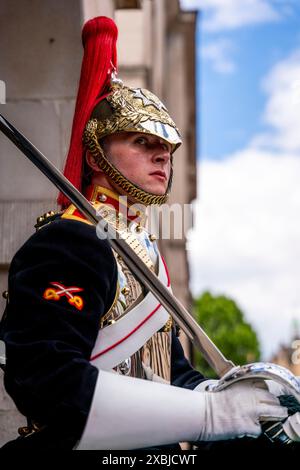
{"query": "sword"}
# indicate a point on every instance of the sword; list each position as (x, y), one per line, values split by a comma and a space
(185, 320)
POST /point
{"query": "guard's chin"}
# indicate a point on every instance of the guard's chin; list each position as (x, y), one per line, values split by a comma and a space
(158, 190)
(157, 193)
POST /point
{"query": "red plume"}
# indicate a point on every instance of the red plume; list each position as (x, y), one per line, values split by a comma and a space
(99, 37)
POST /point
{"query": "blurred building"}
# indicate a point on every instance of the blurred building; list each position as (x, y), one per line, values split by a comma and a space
(40, 63)
(289, 356)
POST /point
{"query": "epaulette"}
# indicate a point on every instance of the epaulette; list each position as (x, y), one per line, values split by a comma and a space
(46, 219)
(72, 213)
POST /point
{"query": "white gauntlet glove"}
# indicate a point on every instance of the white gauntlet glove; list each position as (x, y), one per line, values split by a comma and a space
(237, 410)
(292, 425)
(128, 413)
(279, 389)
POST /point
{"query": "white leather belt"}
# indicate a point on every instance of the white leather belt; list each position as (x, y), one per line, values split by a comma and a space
(118, 341)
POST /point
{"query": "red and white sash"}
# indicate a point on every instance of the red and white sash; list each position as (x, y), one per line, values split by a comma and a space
(118, 341)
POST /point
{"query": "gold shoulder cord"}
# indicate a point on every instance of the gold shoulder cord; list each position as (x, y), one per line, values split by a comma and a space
(46, 219)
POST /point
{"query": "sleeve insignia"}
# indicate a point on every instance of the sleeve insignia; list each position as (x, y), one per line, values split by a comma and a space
(59, 290)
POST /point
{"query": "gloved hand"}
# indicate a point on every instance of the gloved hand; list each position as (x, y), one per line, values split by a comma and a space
(146, 414)
(280, 389)
(238, 410)
(292, 427)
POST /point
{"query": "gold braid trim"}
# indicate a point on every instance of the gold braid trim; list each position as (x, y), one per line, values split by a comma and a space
(90, 140)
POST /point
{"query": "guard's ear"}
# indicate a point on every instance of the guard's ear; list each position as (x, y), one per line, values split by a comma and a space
(92, 163)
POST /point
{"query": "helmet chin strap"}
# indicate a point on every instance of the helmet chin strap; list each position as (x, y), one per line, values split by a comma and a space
(120, 181)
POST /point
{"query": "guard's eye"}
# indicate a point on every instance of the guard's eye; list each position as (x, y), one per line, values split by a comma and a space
(141, 140)
(166, 147)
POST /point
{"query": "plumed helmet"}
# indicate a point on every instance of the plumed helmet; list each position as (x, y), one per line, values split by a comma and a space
(105, 106)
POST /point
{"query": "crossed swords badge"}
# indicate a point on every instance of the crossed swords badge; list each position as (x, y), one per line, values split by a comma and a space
(63, 291)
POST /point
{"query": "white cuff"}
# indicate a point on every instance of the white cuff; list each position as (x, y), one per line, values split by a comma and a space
(129, 413)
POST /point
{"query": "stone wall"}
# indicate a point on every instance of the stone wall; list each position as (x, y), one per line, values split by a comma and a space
(40, 63)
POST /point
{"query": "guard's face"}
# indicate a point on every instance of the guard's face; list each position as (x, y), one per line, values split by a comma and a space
(144, 159)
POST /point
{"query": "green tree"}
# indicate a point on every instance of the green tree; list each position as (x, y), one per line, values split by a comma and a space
(223, 321)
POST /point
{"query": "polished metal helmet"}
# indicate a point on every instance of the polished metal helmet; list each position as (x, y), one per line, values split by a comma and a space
(127, 109)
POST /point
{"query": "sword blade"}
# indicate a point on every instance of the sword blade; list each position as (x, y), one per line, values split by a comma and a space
(185, 320)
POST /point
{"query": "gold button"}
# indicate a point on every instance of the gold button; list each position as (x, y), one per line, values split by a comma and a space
(102, 198)
(5, 294)
(24, 430)
(125, 290)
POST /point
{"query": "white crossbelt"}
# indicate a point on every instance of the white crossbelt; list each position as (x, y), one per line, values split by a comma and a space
(118, 341)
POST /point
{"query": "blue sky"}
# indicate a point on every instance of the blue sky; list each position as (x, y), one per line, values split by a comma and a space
(230, 103)
(246, 239)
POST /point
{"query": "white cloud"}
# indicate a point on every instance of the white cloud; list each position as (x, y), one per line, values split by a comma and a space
(246, 242)
(282, 112)
(220, 15)
(223, 15)
(218, 53)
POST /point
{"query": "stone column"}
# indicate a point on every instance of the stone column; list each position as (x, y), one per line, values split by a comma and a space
(40, 62)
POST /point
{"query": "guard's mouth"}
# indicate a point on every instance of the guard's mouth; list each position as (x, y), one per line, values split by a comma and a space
(160, 174)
